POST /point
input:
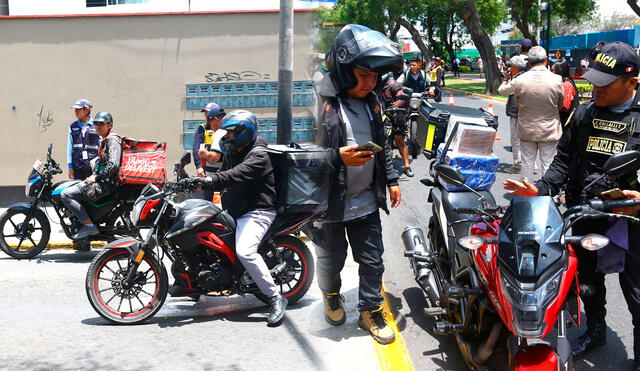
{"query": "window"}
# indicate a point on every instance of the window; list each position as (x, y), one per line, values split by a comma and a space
(92, 3)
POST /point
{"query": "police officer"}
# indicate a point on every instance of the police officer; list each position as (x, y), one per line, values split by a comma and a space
(82, 146)
(596, 130)
(206, 135)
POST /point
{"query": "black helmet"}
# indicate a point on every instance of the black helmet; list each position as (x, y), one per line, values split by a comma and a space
(103, 117)
(359, 46)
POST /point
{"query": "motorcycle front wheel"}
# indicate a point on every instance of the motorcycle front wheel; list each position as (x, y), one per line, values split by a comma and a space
(21, 238)
(117, 304)
(295, 277)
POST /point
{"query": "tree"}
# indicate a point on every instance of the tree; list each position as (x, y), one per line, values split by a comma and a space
(615, 21)
(471, 17)
(524, 13)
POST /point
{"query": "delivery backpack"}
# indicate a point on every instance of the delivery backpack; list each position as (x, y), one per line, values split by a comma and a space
(143, 161)
(302, 177)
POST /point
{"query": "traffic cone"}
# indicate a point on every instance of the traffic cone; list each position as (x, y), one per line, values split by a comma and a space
(490, 108)
(217, 200)
(451, 100)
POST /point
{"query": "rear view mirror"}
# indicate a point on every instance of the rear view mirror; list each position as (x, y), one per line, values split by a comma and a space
(622, 163)
(450, 174)
(50, 149)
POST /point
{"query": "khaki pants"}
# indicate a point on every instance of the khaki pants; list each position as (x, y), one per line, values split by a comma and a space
(529, 152)
(515, 143)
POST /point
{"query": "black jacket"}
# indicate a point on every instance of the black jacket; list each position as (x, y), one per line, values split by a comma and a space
(577, 157)
(247, 179)
(332, 135)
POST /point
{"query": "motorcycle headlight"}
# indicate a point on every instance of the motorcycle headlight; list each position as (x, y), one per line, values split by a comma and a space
(414, 103)
(529, 304)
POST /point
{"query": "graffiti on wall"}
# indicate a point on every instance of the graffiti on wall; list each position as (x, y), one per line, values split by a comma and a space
(45, 120)
(214, 77)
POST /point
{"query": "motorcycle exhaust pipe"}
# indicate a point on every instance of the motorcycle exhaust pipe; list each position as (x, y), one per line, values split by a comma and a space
(486, 350)
(414, 241)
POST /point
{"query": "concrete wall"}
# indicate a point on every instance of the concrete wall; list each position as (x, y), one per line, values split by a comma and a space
(136, 67)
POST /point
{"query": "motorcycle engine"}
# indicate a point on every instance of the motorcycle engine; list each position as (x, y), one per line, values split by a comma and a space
(215, 276)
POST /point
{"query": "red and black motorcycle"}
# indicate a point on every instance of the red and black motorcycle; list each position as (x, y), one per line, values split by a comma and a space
(520, 281)
(127, 282)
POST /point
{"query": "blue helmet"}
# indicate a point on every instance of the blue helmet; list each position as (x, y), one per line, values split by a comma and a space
(244, 124)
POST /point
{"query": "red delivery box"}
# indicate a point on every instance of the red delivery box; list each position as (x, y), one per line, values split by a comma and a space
(143, 161)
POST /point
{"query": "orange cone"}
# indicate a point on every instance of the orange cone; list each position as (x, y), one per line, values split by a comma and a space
(217, 200)
(490, 108)
(498, 138)
(451, 100)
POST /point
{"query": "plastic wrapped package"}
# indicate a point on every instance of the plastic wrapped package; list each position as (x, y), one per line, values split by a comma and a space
(474, 140)
(302, 177)
(480, 171)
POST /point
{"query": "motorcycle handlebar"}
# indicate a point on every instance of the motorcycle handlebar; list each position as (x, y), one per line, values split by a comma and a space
(610, 205)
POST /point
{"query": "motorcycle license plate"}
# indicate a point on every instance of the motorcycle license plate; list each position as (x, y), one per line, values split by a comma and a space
(38, 166)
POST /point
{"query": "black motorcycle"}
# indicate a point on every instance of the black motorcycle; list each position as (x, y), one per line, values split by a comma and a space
(25, 228)
(127, 282)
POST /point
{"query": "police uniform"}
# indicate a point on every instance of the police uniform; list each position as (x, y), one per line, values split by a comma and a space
(592, 135)
(84, 141)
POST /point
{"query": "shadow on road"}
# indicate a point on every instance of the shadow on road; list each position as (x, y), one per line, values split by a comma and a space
(58, 257)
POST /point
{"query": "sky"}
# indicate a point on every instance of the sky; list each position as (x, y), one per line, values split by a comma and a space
(609, 6)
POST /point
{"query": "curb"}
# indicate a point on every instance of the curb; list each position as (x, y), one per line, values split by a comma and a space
(503, 100)
(68, 245)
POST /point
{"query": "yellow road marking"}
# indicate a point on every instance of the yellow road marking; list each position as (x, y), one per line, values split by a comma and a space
(394, 356)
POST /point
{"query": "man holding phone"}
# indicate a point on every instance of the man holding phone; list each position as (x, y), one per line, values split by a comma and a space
(596, 130)
(351, 125)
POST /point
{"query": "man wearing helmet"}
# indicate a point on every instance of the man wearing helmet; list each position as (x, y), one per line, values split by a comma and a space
(246, 175)
(350, 117)
(103, 180)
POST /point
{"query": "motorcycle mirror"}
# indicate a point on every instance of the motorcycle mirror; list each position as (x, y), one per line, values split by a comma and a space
(185, 159)
(450, 174)
(622, 163)
(593, 242)
(471, 242)
(50, 149)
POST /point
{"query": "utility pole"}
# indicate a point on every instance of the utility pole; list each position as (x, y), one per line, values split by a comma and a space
(285, 72)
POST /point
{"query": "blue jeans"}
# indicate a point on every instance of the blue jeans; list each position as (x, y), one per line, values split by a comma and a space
(365, 238)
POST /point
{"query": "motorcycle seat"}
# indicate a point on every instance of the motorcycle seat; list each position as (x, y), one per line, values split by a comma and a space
(455, 202)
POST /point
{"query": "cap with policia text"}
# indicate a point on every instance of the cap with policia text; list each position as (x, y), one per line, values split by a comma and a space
(614, 60)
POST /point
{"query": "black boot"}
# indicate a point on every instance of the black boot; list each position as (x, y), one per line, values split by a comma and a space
(594, 337)
(277, 305)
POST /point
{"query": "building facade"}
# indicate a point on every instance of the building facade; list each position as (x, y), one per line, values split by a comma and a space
(143, 68)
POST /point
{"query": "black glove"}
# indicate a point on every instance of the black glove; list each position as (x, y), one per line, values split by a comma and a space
(602, 185)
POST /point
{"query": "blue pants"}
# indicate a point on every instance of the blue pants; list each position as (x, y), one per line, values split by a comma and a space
(365, 238)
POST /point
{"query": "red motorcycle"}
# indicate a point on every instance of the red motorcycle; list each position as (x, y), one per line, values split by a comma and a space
(521, 281)
(127, 282)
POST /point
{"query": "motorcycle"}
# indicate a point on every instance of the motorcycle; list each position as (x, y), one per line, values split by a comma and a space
(513, 273)
(127, 282)
(25, 228)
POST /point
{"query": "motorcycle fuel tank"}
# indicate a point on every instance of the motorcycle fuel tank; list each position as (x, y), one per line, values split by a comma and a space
(530, 235)
(193, 216)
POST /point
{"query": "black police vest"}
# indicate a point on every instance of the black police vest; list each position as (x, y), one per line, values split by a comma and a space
(601, 134)
(88, 142)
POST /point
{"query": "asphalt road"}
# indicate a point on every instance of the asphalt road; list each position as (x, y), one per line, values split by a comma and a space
(46, 321)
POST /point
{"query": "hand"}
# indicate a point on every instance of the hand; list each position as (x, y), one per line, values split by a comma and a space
(91, 179)
(395, 195)
(72, 174)
(507, 75)
(521, 189)
(630, 195)
(351, 157)
(395, 104)
(200, 172)
(202, 153)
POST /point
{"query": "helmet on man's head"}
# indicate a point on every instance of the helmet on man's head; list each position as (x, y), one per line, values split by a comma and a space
(103, 117)
(245, 126)
(359, 46)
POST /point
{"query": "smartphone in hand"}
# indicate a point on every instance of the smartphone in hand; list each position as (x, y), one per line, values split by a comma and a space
(369, 146)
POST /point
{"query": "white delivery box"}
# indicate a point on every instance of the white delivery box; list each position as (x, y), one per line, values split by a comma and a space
(476, 140)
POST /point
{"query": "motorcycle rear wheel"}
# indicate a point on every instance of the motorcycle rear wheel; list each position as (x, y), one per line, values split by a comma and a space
(27, 244)
(295, 279)
(116, 304)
